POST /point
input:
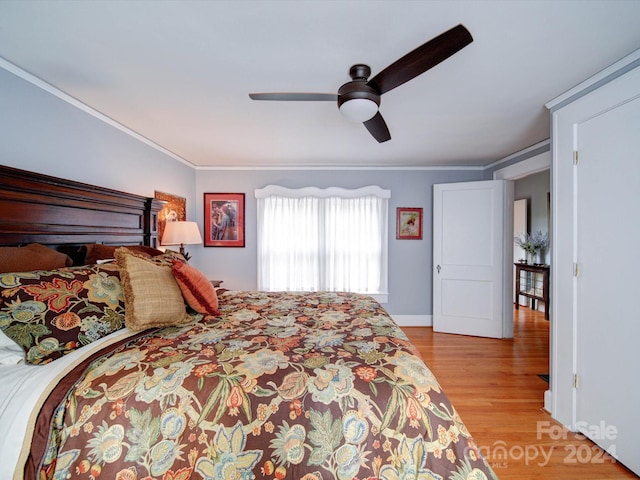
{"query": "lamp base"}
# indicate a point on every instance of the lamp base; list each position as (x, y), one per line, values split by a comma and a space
(184, 253)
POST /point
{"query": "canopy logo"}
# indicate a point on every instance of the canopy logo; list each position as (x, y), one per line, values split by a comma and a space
(499, 454)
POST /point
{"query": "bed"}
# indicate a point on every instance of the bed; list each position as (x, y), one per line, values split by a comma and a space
(118, 379)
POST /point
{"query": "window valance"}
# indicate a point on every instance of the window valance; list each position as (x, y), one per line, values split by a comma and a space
(276, 190)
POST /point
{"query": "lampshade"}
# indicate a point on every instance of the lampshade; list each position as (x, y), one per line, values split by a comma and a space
(181, 233)
(359, 109)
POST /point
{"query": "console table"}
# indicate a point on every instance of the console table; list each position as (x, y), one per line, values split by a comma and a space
(532, 281)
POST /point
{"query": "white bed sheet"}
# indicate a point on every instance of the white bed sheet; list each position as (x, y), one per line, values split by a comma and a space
(21, 389)
(10, 352)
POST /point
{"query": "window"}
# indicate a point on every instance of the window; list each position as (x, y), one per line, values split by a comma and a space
(313, 239)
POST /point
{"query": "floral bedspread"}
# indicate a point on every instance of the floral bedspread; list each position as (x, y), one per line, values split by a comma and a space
(280, 385)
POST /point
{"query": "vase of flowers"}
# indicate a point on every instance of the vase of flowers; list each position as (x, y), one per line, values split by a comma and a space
(534, 245)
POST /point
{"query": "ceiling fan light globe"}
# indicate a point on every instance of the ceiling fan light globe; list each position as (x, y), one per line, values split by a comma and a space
(359, 110)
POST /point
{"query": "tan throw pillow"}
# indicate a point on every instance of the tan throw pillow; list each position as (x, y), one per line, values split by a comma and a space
(32, 257)
(196, 288)
(152, 297)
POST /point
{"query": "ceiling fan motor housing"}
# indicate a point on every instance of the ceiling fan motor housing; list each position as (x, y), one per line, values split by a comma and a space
(358, 88)
(357, 101)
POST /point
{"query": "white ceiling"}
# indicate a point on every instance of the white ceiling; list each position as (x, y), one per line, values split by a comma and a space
(179, 72)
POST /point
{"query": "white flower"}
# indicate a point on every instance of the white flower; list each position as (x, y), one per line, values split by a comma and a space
(532, 243)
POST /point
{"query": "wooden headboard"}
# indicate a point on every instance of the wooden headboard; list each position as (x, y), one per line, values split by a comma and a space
(64, 214)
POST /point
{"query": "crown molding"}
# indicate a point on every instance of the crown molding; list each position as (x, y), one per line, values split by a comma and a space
(55, 91)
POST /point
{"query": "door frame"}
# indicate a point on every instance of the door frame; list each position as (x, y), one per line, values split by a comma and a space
(535, 164)
(520, 208)
(612, 87)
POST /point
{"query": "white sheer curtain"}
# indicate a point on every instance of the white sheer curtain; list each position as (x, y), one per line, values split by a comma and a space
(314, 239)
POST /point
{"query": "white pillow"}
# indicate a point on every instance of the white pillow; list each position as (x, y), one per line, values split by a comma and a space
(10, 351)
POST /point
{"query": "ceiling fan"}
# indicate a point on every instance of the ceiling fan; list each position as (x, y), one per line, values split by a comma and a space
(359, 99)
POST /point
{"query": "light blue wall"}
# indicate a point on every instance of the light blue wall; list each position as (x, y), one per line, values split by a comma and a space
(41, 132)
(536, 189)
(409, 260)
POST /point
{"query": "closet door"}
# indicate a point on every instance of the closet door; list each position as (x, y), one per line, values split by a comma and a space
(595, 267)
(607, 179)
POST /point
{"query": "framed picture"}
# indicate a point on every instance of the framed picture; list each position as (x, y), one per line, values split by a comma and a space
(409, 223)
(175, 208)
(224, 219)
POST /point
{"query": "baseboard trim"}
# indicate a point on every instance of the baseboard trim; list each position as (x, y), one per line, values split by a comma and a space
(413, 320)
(547, 402)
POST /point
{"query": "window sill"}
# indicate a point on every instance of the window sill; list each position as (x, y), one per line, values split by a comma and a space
(380, 297)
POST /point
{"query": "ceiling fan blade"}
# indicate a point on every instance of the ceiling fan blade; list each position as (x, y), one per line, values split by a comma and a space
(296, 97)
(378, 128)
(421, 59)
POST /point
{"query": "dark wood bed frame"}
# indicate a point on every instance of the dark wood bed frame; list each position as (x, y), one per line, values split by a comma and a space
(65, 215)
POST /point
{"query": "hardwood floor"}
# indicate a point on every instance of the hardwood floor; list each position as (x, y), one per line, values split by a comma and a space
(495, 387)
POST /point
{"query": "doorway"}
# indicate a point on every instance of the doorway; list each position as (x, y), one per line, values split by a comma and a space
(532, 181)
(534, 190)
(533, 165)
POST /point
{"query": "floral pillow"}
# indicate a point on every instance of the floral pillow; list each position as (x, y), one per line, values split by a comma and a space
(50, 313)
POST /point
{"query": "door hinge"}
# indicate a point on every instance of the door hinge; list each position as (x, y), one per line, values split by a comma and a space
(575, 380)
(575, 157)
(576, 270)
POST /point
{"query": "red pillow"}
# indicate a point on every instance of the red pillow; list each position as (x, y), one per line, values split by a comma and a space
(196, 289)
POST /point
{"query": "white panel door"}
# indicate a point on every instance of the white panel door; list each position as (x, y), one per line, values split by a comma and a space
(607, 326)
(470, 259)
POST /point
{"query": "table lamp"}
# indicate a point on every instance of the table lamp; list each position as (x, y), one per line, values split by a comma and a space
(181, 233)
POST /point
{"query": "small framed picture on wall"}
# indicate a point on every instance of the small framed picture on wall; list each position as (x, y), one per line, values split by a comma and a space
(409, 223)
(224, 219)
